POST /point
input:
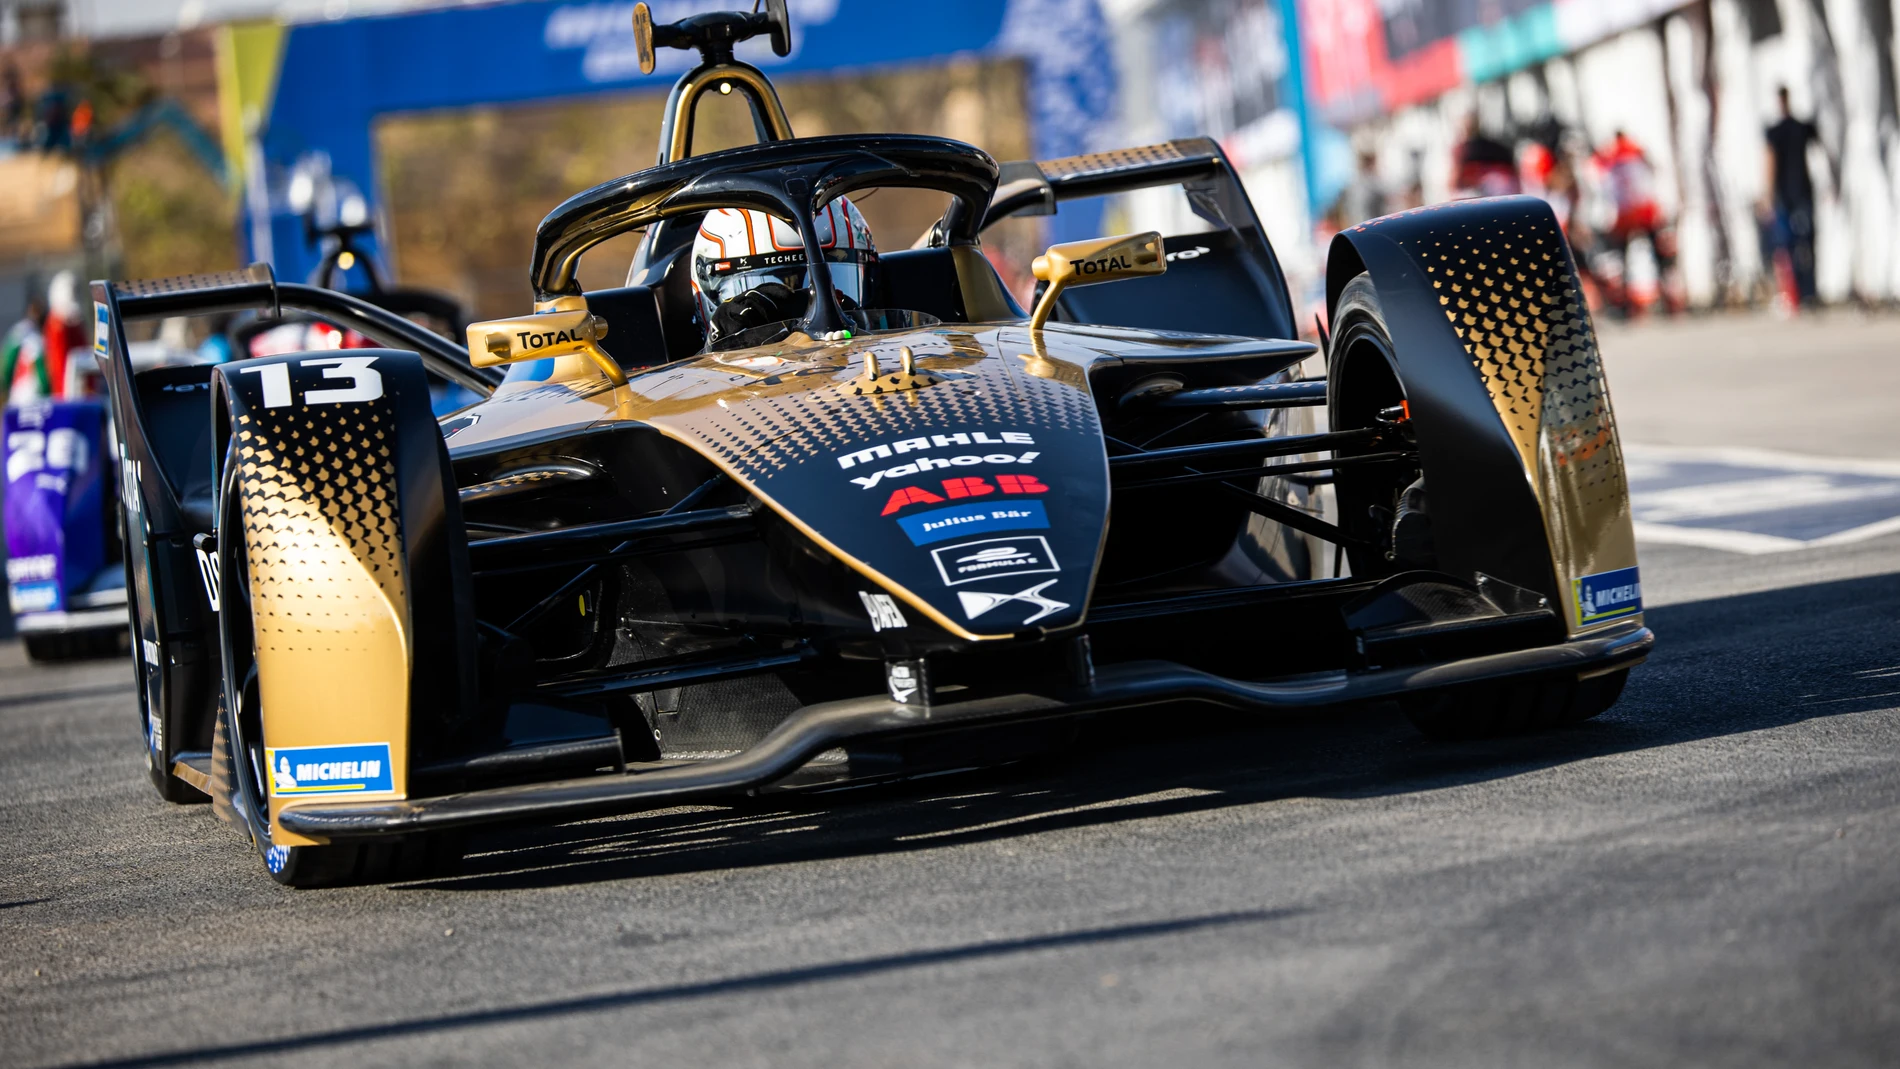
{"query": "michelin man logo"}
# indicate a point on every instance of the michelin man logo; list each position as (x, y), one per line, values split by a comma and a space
(281, 777)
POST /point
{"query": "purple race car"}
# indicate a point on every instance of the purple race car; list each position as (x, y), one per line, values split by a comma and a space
(65, 570)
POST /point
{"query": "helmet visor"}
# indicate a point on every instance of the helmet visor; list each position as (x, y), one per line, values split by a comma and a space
(850, 269)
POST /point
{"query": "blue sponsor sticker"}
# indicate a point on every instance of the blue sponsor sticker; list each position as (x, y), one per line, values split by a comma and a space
(101, 332)
(959, 520)
(353, 769)
(1607, 595)
(42, 596)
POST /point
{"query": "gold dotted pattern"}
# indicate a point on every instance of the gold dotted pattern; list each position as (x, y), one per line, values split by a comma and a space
(763, 430)
(1509, 291)
(320, 525)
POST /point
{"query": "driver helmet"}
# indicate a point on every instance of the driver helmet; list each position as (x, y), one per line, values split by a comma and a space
(738, 250)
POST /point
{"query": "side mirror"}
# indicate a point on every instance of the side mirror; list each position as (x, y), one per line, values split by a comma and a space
(576, 332)
(1080, 263)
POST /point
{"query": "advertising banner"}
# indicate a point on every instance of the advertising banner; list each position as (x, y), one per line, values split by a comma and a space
(333, 79)
(1369, 57)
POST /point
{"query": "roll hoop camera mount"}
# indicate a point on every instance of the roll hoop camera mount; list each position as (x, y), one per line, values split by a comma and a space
(714, 33)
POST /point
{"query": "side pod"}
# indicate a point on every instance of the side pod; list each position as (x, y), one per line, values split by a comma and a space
(1506, 388)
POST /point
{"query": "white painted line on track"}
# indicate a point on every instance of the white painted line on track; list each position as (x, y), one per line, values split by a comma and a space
(1758, 501)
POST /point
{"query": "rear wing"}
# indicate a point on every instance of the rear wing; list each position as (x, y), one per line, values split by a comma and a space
(1227, 281)
(254, 288)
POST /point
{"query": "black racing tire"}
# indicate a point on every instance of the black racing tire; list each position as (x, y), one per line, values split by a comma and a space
(394, 860)
(1491, 710)
(73, 646)
(1362, 378)
(239, 770)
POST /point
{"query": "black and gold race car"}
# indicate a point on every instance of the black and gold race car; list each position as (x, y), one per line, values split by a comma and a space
(868, 542)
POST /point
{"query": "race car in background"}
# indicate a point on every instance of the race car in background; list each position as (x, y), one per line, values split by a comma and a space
(65, 575)
(65, 582)
(652, 566)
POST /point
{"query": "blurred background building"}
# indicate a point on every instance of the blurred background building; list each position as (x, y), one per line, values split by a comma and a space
(150, 137)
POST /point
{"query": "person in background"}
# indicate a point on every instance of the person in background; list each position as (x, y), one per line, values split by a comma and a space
(1483, 166)
(1631, 180)
(14, 119)
(22, 356)
(1364, 197)
(64, 332)
(1790, 201)
(53, 123)
(216, 348)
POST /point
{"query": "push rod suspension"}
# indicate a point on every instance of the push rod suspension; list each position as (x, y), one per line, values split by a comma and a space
(1285, 446)
(1239, 398)
(1263, 471)
(560, 547)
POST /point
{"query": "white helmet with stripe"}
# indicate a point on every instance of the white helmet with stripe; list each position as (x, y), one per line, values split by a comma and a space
(738, 250)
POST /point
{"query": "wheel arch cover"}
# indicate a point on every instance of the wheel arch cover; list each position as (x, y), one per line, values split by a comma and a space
(359, 580)
(1500, 364)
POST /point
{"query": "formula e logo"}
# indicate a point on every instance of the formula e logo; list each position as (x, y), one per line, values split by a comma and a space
(977, 602)
(967, 486)
(988, 558)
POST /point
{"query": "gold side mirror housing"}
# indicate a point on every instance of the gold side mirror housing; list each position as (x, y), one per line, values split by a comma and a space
(574, 332)
(1081, 263)
(643, 38)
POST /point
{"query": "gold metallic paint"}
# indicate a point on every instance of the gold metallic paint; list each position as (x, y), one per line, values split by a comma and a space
(686, 94)
(500, 341)
(323, 541)
(1084, 263)
(756, 412)
(1510, 293)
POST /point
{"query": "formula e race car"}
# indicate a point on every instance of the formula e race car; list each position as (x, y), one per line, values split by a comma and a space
(659, 563)
(65, 584)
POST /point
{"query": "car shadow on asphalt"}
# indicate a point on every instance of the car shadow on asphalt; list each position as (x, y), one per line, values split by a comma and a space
(1722, 667)
(798, 976)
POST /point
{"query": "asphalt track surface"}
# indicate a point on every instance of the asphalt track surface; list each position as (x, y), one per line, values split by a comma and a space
(1709, 874)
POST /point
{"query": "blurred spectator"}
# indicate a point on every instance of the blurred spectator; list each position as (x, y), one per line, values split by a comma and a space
(216, 348)
(22, 356)
(53, 125)
(63, 333)
(1364, 197)
(1791, 196)
(1483, 166)
(13, 108)
(1631, 181)
(82, 122)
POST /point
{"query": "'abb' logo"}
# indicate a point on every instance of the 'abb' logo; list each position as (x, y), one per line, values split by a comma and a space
(968, 486)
